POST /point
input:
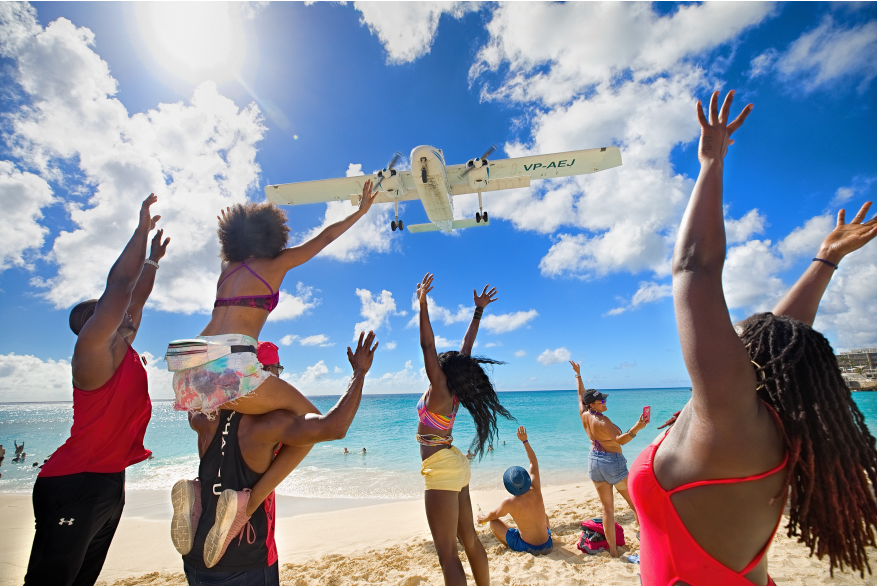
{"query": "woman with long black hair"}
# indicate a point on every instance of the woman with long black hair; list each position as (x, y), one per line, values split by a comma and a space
(770, 416)
(455, 378)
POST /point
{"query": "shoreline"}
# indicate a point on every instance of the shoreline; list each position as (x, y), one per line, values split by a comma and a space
(385, 543)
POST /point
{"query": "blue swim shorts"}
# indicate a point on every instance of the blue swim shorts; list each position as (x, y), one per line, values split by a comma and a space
(608, 467)
(516, 543)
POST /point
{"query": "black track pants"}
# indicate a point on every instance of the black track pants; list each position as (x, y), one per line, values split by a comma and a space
(76, 518)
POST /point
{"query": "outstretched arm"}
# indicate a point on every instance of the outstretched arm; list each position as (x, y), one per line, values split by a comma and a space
(283, 427)
(802, 301)
(500, 511)
(581, 386)
(723, 382)
(427, 338)
(481, 302)
(145, 282)
(295, 256)
(531, 456)
(92, 363)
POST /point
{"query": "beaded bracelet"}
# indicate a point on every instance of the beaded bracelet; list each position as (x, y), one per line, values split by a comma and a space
(478, 312)
(150, 262)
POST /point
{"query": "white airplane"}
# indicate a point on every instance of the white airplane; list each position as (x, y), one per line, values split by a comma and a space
(435, 184)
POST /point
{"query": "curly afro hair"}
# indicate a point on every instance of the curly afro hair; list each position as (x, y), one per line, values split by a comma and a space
(253, 230)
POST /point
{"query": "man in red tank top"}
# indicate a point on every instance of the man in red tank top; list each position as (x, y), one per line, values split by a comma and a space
(80, 492)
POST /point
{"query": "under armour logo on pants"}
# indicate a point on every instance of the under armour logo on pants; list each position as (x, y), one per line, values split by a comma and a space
(68, 522)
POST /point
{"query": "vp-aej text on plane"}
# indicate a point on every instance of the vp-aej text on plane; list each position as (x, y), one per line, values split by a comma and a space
(435, 184)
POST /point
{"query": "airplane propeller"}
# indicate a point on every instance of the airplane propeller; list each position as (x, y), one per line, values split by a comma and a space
(396, 156)
(483, 159)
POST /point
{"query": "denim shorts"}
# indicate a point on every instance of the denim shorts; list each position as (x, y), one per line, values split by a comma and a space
(609, 467)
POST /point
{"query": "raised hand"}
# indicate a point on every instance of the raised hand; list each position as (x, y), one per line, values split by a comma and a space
(522, 434)
(715, 133)
(221, 218)
(576, 367)
(485, 298)
(846, 238)
(146, 221)
(424, 287)
(366, 200)
(158, 249)
(361, 359)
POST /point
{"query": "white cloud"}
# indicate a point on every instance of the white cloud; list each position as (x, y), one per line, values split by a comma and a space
(315, 382)
(376, 311)
(648, 291)
(354, 169)
(407, 29)
(197, 157)
(444, 343)
(371, 233)
(23, 195)
(288, 339)
(600, 74)
(763, 63)
(556, 356)
(26, 378)
(291, 306)
(860, 185)
(502, 323)
(438, 313)
(749, 278)
(490, 345)
(626, 365)
(738, 231)
(389, 346)
(520, 354)
(310, 375)
(829, 53)
(316, 340)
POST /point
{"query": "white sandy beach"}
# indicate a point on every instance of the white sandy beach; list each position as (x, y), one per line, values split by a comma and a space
(380, 544)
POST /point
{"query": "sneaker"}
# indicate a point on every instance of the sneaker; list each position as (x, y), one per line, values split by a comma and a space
(231, 517)
(186, 498)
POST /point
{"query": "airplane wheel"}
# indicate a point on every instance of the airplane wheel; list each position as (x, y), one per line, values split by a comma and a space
(393, 224)
(478, 217)
(484, 216)
(423, 175)
(400, 225)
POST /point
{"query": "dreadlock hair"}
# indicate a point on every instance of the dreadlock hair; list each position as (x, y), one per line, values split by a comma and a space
(473, 388)
(832, 457)
(253, 230)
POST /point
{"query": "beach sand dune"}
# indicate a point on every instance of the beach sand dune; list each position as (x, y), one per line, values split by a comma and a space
(413, 561)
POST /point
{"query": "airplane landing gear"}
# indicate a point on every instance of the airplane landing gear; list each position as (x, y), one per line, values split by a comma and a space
(396, 223)
(481, 214)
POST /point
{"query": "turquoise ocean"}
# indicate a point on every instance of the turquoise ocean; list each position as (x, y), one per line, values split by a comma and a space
(385, 426)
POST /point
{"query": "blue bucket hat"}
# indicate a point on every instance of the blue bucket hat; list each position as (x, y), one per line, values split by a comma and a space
(516, 480)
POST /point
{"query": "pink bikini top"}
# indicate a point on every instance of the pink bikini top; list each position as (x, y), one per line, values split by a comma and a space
(434, 420)
(263, 302)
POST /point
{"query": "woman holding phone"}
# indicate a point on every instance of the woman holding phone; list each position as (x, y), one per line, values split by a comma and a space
(607, 467)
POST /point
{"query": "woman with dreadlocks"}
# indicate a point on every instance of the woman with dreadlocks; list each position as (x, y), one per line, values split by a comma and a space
(455, 378)
(770, 416)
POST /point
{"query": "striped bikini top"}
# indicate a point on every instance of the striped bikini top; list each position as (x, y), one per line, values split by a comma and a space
(434, 420)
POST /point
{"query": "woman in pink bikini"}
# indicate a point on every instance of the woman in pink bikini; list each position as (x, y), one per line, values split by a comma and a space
(770, 416)
(455, 378)
(255, 261)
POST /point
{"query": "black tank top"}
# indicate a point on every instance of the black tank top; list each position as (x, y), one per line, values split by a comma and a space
(223, 467)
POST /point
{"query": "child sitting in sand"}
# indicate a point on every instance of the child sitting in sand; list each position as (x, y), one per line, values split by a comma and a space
(525, 506)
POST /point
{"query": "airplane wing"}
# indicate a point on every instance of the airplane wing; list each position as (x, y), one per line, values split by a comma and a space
(515, 170)
(335, 190)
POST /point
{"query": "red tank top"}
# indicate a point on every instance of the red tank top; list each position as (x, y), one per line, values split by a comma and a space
(108, 424)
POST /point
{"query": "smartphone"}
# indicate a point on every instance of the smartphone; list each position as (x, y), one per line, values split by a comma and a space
(647, 413)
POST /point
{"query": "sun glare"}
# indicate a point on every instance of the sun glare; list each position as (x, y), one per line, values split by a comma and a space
(195, 41)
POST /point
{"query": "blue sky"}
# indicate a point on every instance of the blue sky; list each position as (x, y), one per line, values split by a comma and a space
(205, 104)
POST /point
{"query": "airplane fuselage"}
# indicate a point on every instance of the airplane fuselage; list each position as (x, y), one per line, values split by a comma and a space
(435, 193)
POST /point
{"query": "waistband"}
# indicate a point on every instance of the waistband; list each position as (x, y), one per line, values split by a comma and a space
(230, 339)
(612, 456)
